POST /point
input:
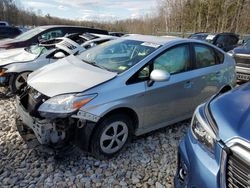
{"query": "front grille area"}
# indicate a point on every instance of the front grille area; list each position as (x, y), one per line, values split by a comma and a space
(242, 61)
(31, 99)
(237, 172)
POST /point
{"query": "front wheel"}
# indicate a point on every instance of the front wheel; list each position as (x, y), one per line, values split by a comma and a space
(17, 81)
(111, 135)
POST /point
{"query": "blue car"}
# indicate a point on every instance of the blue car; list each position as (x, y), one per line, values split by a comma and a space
(216, 150)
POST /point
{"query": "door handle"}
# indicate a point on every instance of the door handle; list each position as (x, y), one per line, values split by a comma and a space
(188, 84)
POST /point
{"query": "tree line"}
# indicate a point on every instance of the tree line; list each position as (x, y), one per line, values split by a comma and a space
(168, 16)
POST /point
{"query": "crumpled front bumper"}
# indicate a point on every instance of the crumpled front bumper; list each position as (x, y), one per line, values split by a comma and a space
(41, 128)
(80, 129)
(31, 140)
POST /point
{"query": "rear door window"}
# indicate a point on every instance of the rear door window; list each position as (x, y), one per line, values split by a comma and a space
(231, 40)
(52, 34)
(204, 55)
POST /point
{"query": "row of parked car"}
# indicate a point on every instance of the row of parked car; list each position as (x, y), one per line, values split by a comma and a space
(99, 95)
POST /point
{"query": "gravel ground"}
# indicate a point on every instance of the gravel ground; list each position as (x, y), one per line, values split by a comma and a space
(150, 161)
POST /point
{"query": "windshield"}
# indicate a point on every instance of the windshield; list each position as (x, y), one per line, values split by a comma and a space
(36, 49)
(29, 34)
(118, 55)
(247, 44)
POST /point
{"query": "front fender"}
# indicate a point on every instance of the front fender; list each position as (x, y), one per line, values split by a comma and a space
(99, 111)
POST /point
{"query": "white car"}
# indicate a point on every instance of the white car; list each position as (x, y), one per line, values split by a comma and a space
(16, 65)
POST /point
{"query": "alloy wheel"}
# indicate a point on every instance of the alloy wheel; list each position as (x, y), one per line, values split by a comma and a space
(21, 79)
(114, 137)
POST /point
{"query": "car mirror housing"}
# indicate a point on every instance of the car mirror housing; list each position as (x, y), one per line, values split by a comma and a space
(159, 75)
(59, 55)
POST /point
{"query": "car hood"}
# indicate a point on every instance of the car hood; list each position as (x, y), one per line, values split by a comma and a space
(15, 55)
(8, 41)
(68, 75)
(241, 50)
(231, 112)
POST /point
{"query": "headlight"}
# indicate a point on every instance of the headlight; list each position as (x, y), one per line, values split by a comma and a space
(64, 104)
(2, 71)
(203, 132)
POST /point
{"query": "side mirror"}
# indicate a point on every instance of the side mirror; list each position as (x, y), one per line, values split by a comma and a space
(159, 75)
(59, 55)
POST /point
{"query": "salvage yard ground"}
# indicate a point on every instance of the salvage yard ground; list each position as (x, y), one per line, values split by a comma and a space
(150, 161)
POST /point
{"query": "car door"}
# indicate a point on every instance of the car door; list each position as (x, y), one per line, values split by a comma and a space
(208, 71)
(169, 101)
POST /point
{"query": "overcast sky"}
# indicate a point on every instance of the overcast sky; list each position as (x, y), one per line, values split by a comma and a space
(92, 9)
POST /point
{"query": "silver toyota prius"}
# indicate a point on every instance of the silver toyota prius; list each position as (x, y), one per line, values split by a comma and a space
(123, 88)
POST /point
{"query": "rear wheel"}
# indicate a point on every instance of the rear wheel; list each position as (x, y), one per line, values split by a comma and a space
(111, 135)
(17, 81)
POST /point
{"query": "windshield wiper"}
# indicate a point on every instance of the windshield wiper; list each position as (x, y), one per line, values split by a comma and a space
(96, 65)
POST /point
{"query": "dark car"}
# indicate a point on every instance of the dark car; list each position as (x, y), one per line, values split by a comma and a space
(241, 55)
(225, 41)
(117, 34)
(216, 149)
(9, 32)
(199, 36)
(42, 33)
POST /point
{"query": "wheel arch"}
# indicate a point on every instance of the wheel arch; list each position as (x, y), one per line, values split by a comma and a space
(122, 110)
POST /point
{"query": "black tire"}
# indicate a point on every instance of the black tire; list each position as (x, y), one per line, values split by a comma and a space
(95, 143)
(12, 82)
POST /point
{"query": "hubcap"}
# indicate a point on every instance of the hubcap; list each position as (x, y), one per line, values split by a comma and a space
(21, 79)
(114, 137)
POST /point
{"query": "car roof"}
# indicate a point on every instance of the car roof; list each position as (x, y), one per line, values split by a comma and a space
(151, 39)
(72, 26)
(111, 32)
(207, 33)
(103, 36)
(202, 33)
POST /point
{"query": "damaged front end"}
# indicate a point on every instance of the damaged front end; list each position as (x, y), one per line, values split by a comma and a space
(51, 122)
